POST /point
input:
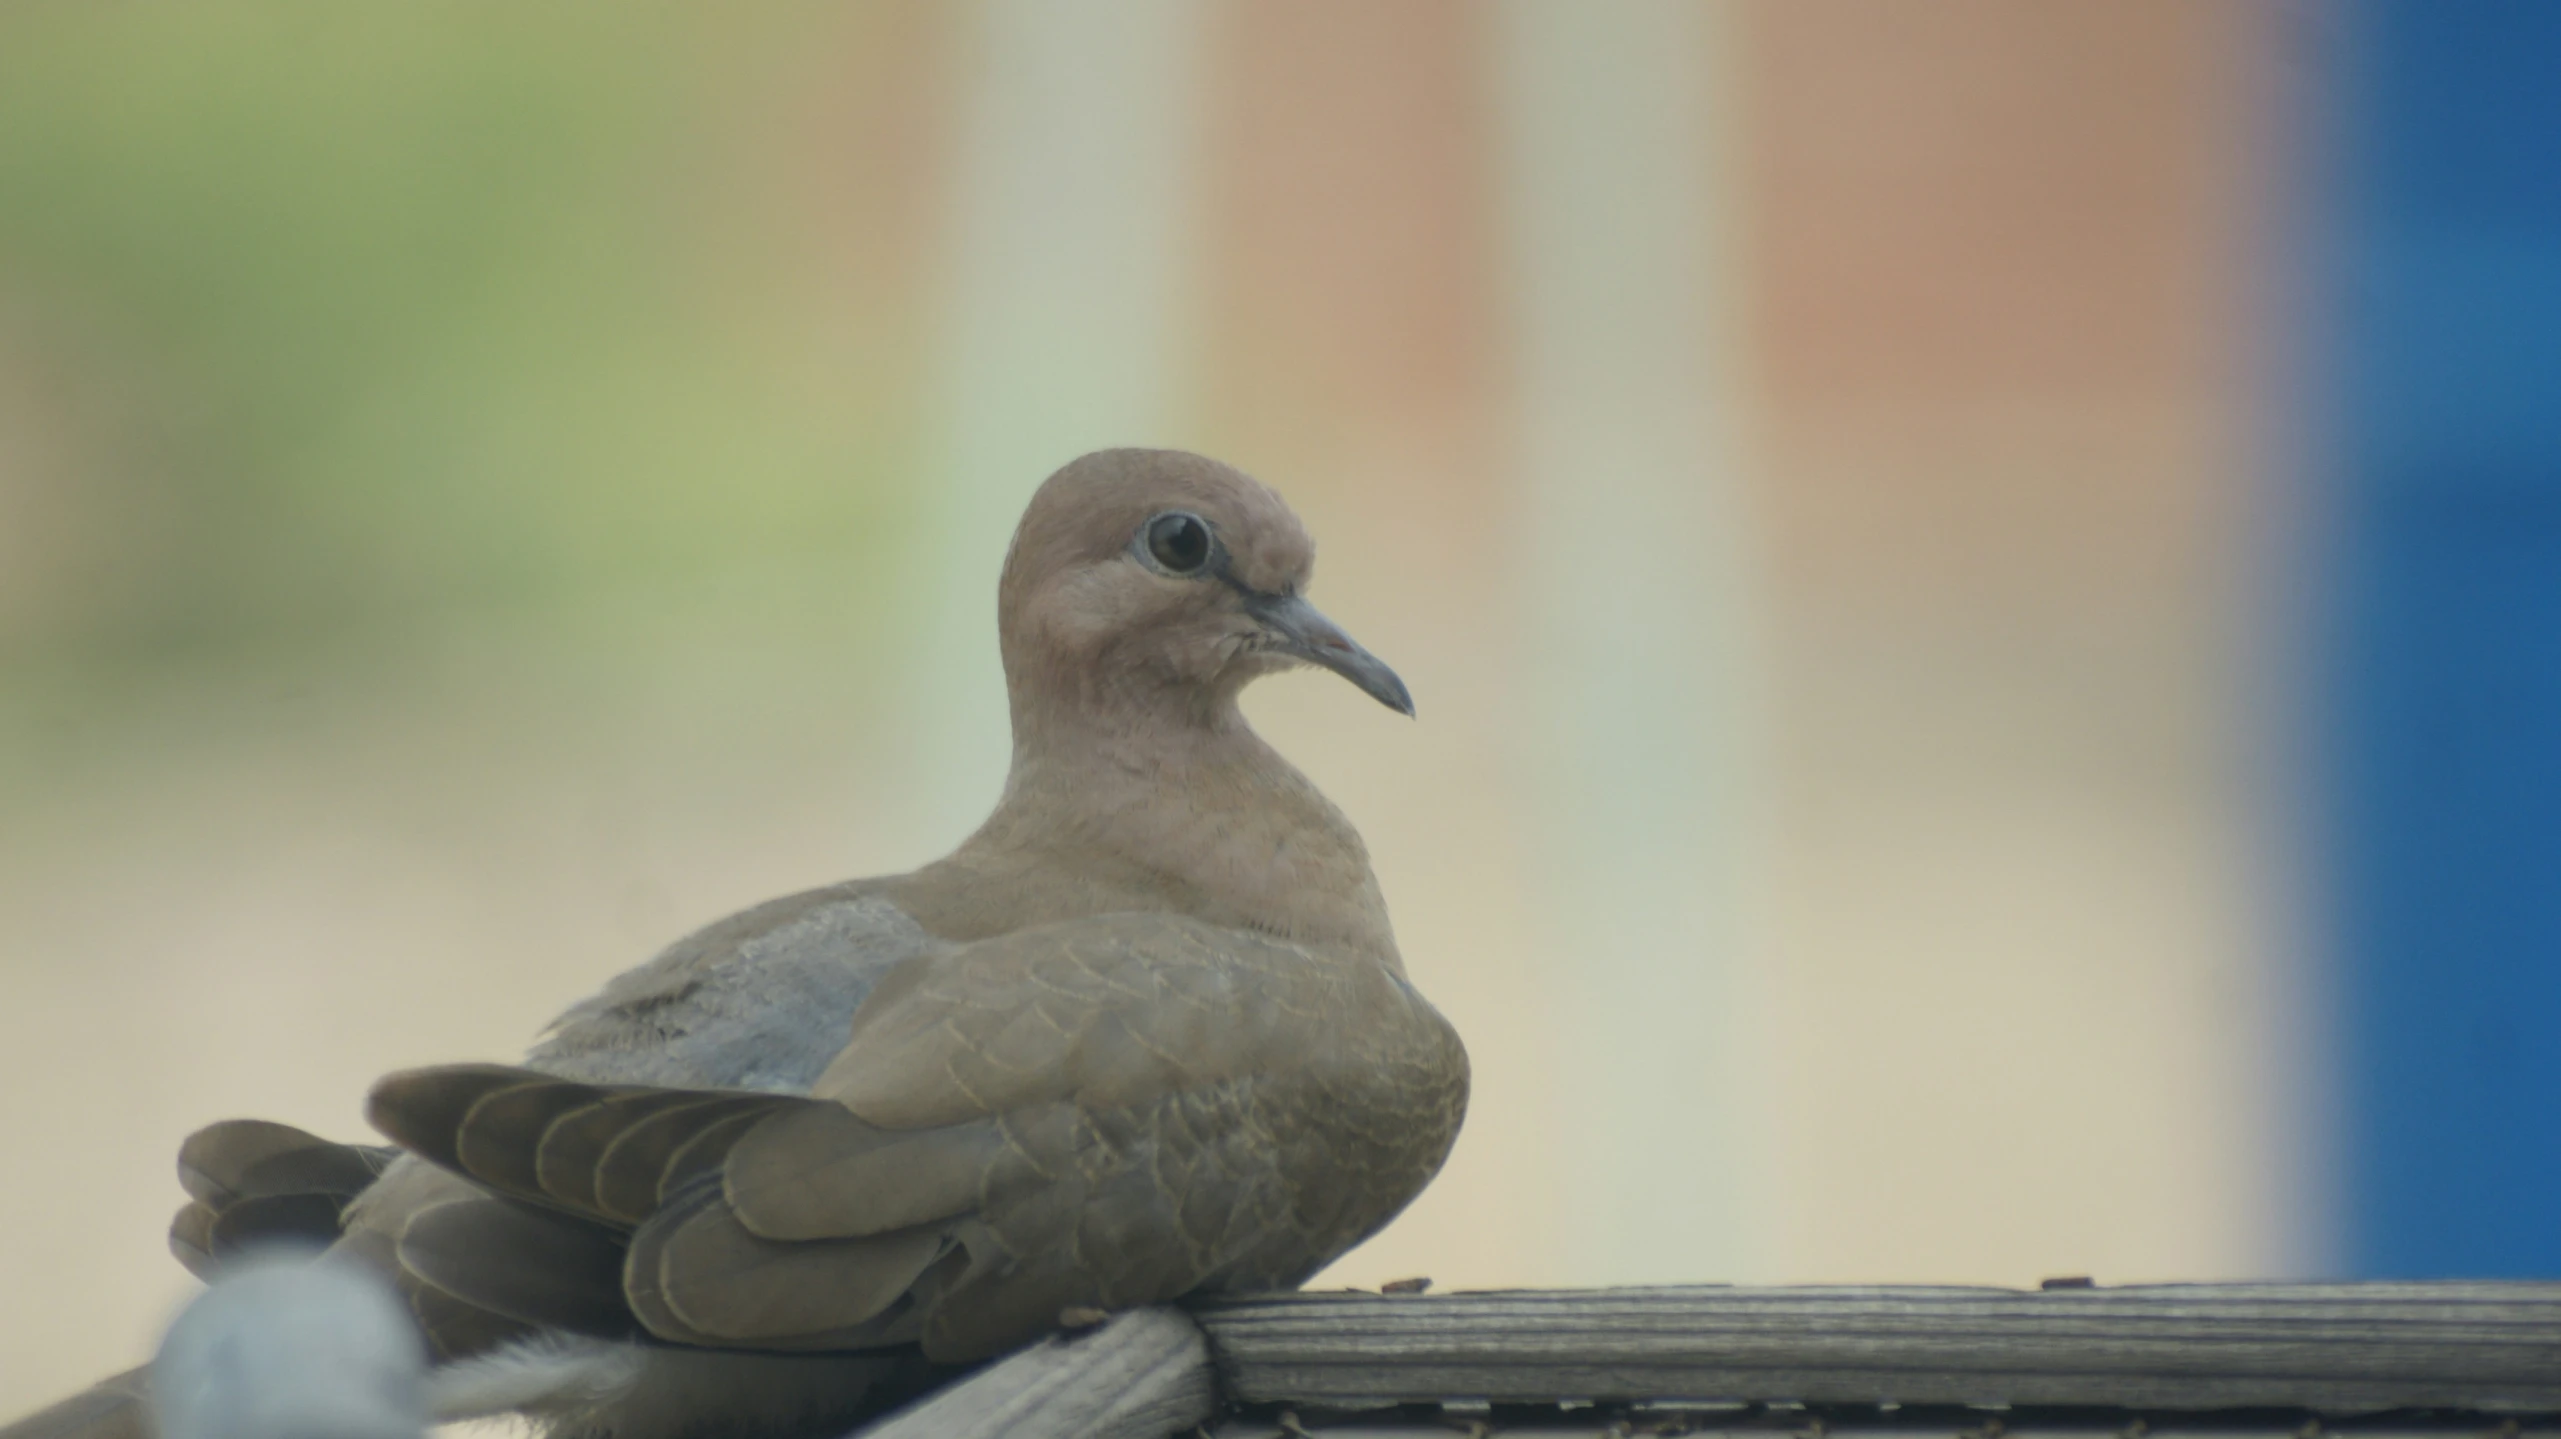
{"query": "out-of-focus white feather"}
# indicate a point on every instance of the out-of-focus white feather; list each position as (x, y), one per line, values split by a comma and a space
(286, 1346)
(552, 1374)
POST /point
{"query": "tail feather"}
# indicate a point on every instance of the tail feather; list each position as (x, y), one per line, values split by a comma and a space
(244, 1158)
(251, 1182)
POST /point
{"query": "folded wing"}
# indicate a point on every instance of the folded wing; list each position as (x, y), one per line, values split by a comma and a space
(1103, 1113)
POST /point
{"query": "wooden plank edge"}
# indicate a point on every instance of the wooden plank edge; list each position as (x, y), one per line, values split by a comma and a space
(1601, 1381)
(2333, 1353)
(1139, 1375)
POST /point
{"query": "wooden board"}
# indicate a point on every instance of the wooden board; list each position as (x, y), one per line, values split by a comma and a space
(2330, 1349)
(1142, 1375)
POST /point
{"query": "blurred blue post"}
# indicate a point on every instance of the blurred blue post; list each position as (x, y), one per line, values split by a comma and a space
(2445, 446)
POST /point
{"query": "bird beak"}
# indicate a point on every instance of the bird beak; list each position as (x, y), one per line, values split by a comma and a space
(1303, 631)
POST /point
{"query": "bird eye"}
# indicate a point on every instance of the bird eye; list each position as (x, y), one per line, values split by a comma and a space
(1179, 542)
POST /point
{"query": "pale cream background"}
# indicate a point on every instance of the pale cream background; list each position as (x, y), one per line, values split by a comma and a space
(1977, 964)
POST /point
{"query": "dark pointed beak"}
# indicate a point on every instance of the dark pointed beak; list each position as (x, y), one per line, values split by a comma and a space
(1301, 629)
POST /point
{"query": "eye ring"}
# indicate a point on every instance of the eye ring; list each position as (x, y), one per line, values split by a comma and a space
(1177, 542)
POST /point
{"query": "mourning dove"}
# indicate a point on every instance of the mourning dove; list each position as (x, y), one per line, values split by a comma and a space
(1146, 1033)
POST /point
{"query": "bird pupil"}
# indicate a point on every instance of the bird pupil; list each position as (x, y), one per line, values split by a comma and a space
(1179, 542)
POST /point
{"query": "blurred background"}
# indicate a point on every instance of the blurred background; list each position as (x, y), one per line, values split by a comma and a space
(1983, 578)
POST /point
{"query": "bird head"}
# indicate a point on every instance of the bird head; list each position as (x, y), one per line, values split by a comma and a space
(1160, 580)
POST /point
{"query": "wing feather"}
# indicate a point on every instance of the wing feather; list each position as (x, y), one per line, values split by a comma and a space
(1111, 1112)
(536, 1266)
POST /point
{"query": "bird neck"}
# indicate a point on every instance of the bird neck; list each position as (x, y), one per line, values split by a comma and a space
(1189, 812)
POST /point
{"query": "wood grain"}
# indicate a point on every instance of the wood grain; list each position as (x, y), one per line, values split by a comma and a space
(1141, 1375)
(2328, 1349)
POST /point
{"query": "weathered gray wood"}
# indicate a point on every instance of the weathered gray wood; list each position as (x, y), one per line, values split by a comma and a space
(1140, 1375)
(2330, 1349)
(1609, 1424)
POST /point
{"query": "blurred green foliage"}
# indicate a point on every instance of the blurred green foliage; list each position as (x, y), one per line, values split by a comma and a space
(319, 320)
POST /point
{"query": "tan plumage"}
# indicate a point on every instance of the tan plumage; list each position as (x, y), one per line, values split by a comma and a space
(1101, 1112)
(1145, 1034)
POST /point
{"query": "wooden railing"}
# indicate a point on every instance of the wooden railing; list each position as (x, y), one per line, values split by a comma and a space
(2459, 1354)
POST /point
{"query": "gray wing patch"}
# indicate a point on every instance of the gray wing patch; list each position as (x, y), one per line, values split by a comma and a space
(762, 1000)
